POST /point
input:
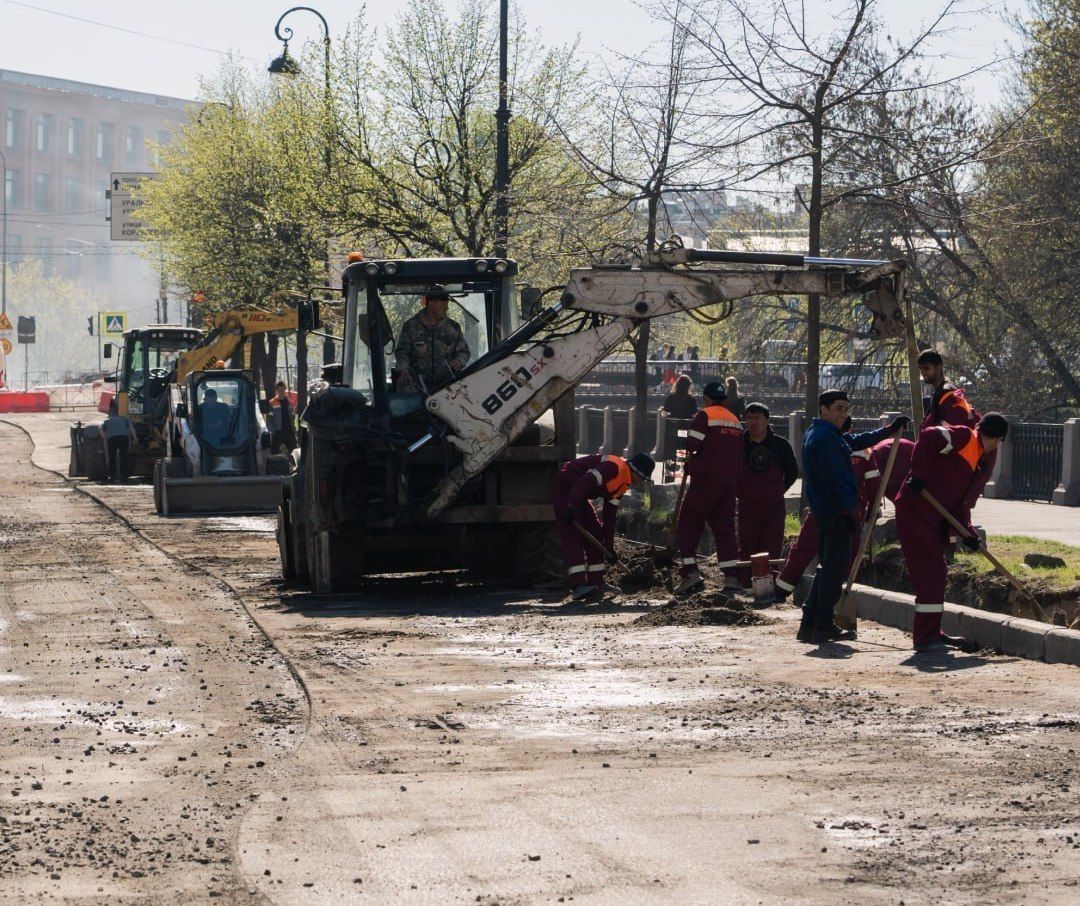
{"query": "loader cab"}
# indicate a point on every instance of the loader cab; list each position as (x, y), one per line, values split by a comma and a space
(382, 295)
(225, 420)
(149, 357)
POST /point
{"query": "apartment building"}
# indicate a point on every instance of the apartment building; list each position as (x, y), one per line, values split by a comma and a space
(61, 140)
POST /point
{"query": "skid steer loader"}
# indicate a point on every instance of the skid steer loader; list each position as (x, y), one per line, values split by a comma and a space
(390, 478)
(218, 449)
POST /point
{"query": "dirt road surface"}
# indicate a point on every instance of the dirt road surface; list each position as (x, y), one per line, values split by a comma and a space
(469, 743)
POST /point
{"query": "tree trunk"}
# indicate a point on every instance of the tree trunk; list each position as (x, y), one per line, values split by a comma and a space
(641, 348)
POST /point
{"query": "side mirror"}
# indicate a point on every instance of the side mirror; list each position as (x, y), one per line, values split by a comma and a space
(107, 351)
(108, 378)
(181, 410)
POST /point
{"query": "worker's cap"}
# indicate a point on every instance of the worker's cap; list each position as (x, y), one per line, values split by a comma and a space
(642, 465)
(714, 390)
(994, 424)
(828, 397)
(435, 291)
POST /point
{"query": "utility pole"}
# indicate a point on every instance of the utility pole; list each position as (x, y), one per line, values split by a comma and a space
(3, 258)
(502, 140)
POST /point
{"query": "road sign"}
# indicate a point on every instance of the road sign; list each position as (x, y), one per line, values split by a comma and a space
(124, 221)
(5, 345)
(27, 329)
(5, 323)
(113, 322)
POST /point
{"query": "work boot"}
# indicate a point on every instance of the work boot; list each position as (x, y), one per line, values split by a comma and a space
(832, 633)
(733, 583)
(691, 582)
(936, 646)
(606, 588)
(780, 595)
(586, 592)
(806, 629)
(960, 643)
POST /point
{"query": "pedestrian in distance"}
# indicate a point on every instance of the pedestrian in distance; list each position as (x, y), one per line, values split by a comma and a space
(119, 435)
(833, 493)
(766, 470)
(679, 403)
(945, 463)
(735, 402)
(714, 446)
(282, 421)
(578, 483)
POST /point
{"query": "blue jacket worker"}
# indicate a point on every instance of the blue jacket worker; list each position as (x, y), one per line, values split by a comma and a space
(833, 493)
(119, 433)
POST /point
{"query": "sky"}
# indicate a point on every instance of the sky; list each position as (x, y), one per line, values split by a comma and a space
(125, 55)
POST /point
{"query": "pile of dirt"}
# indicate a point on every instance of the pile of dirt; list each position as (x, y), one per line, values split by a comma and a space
(707, 608)
(641, 569)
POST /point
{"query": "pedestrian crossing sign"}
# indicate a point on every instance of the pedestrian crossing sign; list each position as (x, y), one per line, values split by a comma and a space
(114, 321)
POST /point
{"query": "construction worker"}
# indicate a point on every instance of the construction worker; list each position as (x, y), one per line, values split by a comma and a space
(282, 423)
(766, 470)
(805, 547)
(875, 469)
(946, 464)
(431, 347)
(833, 492)
(946, 404)
(714, 447)
(580, 481)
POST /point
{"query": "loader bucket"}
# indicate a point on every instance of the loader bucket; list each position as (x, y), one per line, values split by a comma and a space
(210, 496)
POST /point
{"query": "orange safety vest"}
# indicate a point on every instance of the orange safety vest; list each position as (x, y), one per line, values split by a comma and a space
(971, 452)
(620, 484)
(719, 416)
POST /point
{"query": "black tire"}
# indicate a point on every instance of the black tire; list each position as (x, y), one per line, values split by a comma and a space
(277, 465)
(285, 544)
(294, 489)
(176, 467)
(336, 564)
(538, 557)
(159, 490)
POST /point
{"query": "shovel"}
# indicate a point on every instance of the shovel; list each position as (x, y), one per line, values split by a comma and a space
(609, 555)
(962, 531)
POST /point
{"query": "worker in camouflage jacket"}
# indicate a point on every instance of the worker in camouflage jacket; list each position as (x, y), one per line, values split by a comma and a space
(431, 348)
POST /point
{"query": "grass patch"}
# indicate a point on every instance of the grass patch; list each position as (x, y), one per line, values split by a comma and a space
(791, 525)
(1010, 550)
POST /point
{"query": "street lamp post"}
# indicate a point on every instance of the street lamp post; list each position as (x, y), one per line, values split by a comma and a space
(286, 65)
(502, 141)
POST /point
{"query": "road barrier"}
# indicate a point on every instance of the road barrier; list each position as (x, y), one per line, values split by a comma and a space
(20, 401)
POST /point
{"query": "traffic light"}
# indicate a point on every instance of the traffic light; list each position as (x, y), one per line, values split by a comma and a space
(90, 325)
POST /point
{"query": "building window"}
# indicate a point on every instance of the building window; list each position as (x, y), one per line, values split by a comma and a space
(133, 143)
(75, 138)
(105, 143)
(42, 192)
(72, 195)
(43, 138)
(13, 188)
(12, 130)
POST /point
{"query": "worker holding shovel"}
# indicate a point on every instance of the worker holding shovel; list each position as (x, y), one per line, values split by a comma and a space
(588, 542)
(948, 467)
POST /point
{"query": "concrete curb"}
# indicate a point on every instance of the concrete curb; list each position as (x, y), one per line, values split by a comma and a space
(1008, 635)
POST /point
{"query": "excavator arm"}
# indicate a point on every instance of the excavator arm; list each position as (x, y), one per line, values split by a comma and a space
(231, 329)
(482, 412)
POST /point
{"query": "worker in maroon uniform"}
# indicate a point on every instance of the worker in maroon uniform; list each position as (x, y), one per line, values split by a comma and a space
(579, 482)
(805, 547)
(946, 404)
(945, 462)
(714, 446)
(767, 469)
(875, 470)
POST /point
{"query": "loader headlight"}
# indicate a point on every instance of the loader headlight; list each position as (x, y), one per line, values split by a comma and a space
(390, 267)
(500, 267)
(481, 266)
(371, 269)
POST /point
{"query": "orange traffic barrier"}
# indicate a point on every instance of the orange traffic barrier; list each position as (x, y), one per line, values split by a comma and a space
(17, 401)
(104, 400)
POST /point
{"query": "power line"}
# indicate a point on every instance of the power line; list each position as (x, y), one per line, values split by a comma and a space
(130, 31)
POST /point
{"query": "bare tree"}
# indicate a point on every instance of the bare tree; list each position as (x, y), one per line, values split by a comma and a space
(787, 90)
(650, 142)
